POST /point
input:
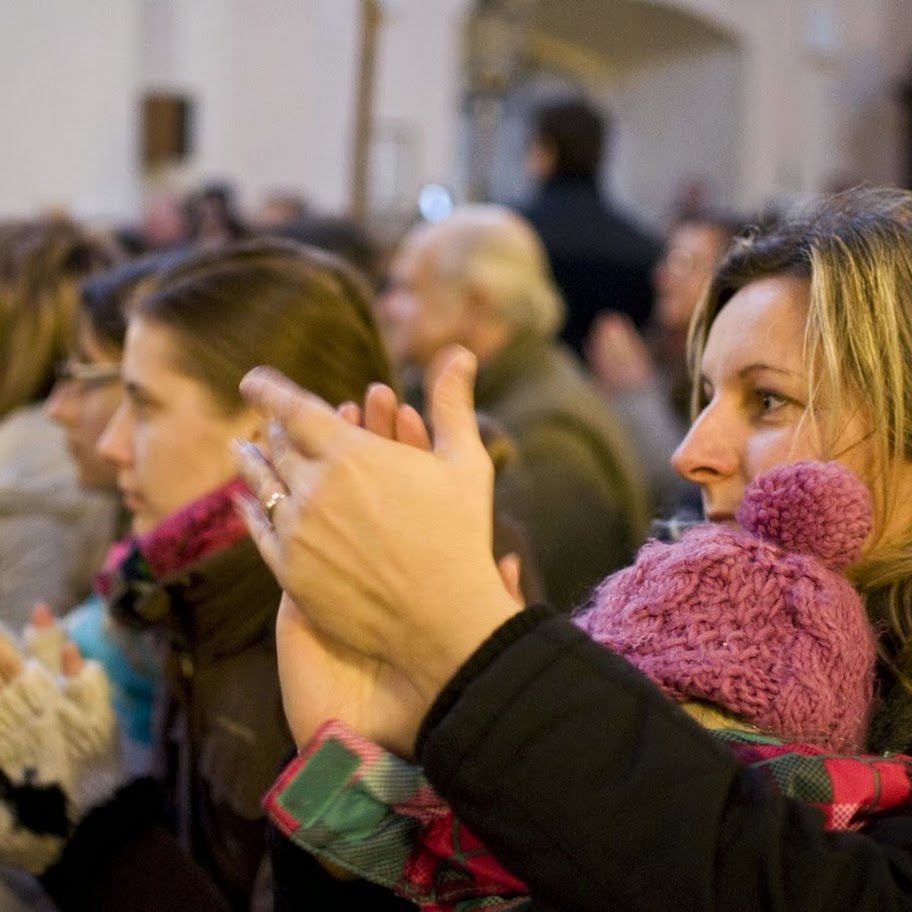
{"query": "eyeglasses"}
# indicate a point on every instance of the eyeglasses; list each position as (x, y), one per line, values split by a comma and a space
(87, 375)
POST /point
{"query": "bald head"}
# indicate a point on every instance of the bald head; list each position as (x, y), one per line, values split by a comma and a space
(478, 276)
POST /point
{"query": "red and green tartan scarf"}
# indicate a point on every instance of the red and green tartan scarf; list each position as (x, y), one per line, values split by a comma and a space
(850, 791)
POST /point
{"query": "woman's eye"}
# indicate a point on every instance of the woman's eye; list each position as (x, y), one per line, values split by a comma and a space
(140, 407)
(770, 401)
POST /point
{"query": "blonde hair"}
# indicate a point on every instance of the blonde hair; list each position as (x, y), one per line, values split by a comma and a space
(855, 249)
(42, 263)
(489, 247)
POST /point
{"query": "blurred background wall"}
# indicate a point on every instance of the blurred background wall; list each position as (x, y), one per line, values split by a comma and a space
(742, 102)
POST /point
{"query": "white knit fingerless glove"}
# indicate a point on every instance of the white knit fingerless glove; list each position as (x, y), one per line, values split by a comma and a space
(44, 644)
(59, 757)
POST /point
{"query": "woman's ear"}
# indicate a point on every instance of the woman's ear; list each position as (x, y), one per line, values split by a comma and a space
(510, 568)
(540, 160)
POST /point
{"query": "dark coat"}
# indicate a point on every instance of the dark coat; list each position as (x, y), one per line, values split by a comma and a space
(575, 488)
(601, 260)
(225, 734)
(600, 793)
(223, 740)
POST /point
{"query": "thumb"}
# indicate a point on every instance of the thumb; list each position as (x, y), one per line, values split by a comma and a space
(451, 394)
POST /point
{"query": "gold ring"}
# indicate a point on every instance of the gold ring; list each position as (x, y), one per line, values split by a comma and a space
(271, 503)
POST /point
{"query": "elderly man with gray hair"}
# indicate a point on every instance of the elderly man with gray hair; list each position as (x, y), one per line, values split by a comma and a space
(481, 278)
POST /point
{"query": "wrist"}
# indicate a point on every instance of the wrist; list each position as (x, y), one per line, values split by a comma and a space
(432, 661)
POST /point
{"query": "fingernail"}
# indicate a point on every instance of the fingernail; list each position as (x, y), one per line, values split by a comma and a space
(246, 506)
(465, 363)
(243, 448)
(275, 430)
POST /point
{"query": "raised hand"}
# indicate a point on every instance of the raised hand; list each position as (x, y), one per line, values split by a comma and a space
(323, 680)
(386, 417)
(617, 354)
(44, 638)
(384, 547)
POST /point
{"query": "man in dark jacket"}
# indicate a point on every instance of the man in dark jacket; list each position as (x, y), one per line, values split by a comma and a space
(601, 259)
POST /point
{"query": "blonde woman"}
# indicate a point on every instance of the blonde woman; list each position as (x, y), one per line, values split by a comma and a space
(568, 764)
(805, 340)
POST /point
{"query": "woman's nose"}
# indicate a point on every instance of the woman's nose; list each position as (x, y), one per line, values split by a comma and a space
(58, 404)
(116, 441)
(710, 449)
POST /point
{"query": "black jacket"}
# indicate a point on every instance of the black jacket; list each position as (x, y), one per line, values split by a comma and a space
(602, 795)
(601, 260)
(587, 783)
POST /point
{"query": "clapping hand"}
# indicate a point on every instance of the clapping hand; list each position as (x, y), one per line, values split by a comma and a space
(382, 544)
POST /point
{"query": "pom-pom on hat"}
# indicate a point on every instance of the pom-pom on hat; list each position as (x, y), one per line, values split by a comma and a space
(757, 620)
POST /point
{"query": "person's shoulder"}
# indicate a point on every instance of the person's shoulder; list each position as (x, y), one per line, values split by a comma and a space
(630, 233)
(565, 384)
(549, 384)
(32, 444)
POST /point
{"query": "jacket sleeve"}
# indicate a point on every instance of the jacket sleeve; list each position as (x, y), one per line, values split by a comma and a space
(599, 793)
(357, 806)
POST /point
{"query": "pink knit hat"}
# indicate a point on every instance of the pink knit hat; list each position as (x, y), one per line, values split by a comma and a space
(757, 620)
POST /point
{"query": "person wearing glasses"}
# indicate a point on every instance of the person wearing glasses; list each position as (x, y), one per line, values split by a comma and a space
(88, 387)
(53, 532)
(53, 528)
(187, 577)
(86, 395)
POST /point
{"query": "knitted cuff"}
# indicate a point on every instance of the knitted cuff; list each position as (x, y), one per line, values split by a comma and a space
(91, 736)
(45, 644)
(59, 756)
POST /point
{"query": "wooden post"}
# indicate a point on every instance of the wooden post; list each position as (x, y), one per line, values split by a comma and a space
(371, 15)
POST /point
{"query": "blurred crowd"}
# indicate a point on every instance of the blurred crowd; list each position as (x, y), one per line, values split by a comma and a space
(121, 542)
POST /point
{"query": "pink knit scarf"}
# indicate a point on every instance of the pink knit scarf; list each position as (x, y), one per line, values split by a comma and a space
(196, 530)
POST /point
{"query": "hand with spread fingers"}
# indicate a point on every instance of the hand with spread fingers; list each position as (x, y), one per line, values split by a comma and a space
(323, 680)
(383, 545)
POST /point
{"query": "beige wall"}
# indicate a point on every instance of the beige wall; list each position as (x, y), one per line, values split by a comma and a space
(418, 90)
(684, 120)
(819, 91)
(66, 106)
(273, 94)
(790, 93)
